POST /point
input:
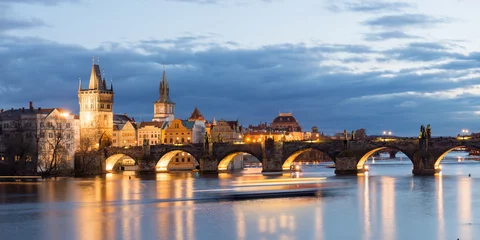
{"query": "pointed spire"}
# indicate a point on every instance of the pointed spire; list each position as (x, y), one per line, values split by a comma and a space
(164, 90)
(95, 77)
(79, 84)
(214, 122)
(111, 84)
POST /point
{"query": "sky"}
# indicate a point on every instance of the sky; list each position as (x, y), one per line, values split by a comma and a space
(343, 64)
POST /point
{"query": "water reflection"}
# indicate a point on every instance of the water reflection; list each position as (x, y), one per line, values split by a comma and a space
(169, 206)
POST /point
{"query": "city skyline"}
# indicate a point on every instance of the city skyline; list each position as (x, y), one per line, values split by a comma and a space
(392, 66)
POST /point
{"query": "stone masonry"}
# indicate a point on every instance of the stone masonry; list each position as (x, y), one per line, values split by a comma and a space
(349, 156)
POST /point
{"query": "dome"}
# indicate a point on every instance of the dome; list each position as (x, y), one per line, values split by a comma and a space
(285, 119)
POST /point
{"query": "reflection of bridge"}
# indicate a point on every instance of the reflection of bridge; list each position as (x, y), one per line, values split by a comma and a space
(349, 157)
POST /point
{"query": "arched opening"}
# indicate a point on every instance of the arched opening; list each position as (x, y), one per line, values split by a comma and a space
(306, 156)
(177, 160)
(120, 162)
(237, 161)
(381, 150)
(458, 154)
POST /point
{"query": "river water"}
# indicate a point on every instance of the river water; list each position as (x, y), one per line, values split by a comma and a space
(386, 203)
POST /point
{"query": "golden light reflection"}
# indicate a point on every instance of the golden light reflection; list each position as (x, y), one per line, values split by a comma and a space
(388, 208)
(464, 207)
(440, 210)
(365, 205)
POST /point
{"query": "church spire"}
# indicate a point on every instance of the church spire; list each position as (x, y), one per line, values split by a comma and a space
(111, 84)
(164, 90)
(79, 84)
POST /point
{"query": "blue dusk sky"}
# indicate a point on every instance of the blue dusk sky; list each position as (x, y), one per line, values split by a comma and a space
(343, 64)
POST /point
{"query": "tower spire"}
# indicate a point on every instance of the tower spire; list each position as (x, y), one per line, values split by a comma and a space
(95, 77)
(111, 84)
(79, 84)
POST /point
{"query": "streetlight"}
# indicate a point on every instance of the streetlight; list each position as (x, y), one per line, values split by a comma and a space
(465, 132)
(384, 133)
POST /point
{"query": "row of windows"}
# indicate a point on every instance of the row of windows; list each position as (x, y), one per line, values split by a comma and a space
(181, 134)
(178, 140)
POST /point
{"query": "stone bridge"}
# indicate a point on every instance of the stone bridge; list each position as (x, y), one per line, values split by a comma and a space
(349, 156)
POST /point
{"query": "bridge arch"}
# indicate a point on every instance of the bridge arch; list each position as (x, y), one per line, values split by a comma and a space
(290, 159)
(442, 156)
(365, 156)
(225, 161)
(112, 160)
(162, 163)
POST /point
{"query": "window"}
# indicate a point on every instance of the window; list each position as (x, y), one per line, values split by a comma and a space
(171, 140)
(188, 159)
(183, 140)
(108, 106)
(68, 145)
(42, 124)
(29, 158)
(102, 105)
(2, 158)
(59, 125)
(68, 125)
(17, 158)
(50, 135)
(183, 159)
(165, 140)
(42, 135)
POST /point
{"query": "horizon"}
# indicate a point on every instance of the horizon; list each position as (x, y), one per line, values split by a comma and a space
(378, 65)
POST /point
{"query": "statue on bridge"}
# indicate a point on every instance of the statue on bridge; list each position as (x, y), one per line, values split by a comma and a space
(206, 145)
(425, 134)
(345, 139)
(219, 138)
(353, 135)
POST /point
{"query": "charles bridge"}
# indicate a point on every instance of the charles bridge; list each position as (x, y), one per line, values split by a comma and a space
(349, 155)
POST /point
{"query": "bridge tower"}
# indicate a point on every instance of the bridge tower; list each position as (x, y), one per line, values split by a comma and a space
(163, 108)
(96, 110)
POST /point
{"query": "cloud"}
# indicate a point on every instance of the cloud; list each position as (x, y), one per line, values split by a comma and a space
(10, 24)
(405, 20)
(369, 6)
(225, 82)
(382, 36)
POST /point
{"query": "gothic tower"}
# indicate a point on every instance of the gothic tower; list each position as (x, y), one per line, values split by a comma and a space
(163, 108)
(96, 111)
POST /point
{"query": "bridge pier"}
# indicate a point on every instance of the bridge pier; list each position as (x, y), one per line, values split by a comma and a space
(346, 164)
(424, 164)
(208, 164)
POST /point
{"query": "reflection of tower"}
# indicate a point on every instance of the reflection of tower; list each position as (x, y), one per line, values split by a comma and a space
(164, 108)
(96, 110)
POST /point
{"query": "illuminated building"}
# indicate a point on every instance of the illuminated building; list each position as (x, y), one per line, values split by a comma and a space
(284, 127)
(96, 111)
(30, 137)
(124, 131)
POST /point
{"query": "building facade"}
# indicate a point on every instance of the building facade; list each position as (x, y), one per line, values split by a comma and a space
(39, 139)
(96, 111)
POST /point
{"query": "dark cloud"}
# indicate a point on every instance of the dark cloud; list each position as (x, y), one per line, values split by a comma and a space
(405, 20)
(369, 6)
(10, 24)
(382, 36)
(252, 85)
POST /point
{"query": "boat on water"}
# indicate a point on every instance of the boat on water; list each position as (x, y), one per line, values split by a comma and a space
(277, 188)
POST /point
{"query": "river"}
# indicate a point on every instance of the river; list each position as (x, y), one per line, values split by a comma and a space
(386, 203)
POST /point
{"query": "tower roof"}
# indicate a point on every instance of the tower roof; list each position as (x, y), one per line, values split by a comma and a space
(96, 82)
(196, 115)
(164, 90)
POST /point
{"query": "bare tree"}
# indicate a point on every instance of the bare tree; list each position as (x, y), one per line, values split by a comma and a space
(55, 138)
(86, 158)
